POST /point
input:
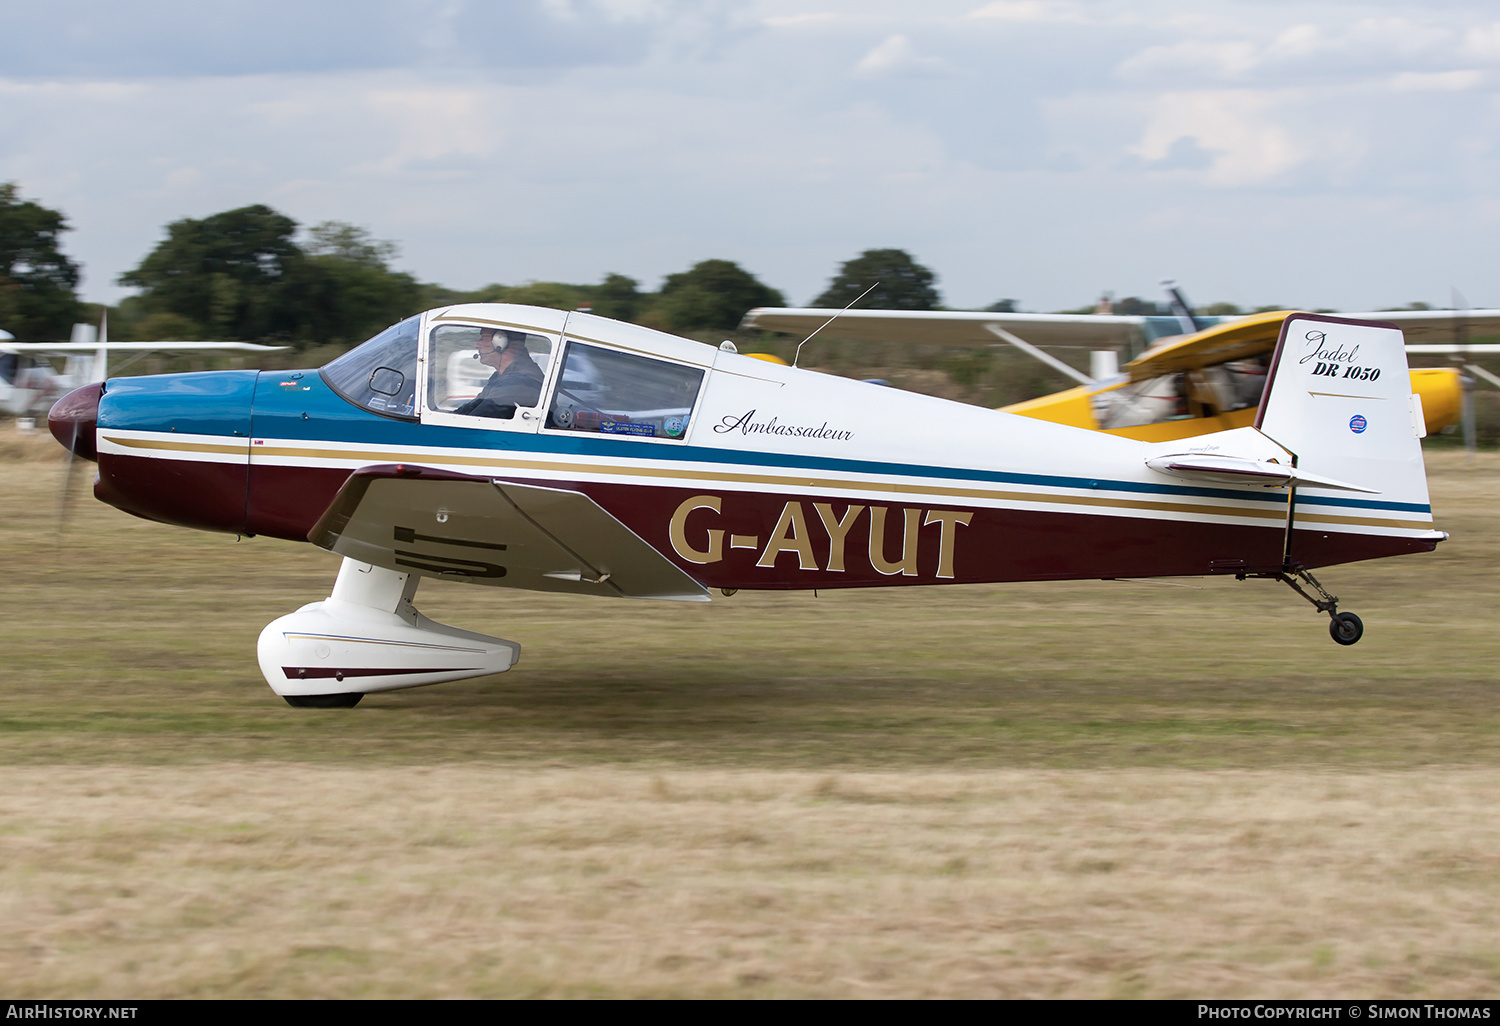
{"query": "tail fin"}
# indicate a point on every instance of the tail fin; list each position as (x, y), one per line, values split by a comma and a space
(1339, 399)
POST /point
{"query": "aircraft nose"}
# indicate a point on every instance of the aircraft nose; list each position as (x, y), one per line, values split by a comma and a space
(74, 418)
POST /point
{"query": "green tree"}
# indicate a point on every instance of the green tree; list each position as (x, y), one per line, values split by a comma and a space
(242, 275)
(712, 295)
(343, 289)
(618, 297)
(350, 244)
(554, 294)
(231, 273)
(904, 283)
(1135, 306)
(38, 284)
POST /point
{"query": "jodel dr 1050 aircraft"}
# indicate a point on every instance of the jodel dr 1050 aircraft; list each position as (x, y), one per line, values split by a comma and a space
(521, 447)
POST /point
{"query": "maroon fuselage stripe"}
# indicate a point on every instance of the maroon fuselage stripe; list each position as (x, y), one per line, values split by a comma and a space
(997, 545)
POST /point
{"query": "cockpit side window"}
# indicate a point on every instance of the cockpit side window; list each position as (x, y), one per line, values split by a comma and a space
(613, 393)
(484, 371)
(381, 374)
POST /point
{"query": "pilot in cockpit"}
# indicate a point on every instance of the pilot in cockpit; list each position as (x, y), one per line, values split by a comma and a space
(517, 381)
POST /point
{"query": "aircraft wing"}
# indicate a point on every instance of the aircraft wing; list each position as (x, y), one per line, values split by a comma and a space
(482, 531)
(950, 327)
(64, 348)
(1429, 326)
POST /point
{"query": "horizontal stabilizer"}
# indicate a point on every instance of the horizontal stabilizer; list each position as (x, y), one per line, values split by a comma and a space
(1239, 470)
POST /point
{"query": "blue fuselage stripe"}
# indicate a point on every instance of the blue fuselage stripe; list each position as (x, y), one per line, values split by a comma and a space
(305, 409)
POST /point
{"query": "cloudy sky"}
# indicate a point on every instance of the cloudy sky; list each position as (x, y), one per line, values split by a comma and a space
(1313, 154)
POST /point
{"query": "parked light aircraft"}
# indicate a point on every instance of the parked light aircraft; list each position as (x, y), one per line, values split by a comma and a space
(29, 384)
(601, 458)
(1196, 375)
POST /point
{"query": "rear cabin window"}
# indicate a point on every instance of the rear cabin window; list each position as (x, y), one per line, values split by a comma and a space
(381, 374)
(613, 393)
(485, 371)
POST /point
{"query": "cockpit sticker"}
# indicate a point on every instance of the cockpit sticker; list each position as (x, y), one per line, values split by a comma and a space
(609, 426)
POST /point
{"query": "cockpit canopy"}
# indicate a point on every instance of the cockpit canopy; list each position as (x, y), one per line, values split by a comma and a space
(492, 367)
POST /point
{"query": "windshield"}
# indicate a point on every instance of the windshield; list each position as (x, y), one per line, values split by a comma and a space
(381, 374)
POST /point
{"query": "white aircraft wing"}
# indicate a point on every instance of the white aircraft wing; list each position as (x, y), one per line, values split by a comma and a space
(64, 348)
(965, 327)
(1428, 326)
(950, 327)
(481, 531)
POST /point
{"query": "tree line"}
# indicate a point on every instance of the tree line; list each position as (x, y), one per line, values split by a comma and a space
(251, 274)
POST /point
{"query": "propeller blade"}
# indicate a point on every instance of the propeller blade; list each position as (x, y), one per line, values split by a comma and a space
(64, 505)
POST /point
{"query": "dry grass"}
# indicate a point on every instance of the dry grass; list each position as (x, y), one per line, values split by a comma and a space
(469, 880)
(1064, 790)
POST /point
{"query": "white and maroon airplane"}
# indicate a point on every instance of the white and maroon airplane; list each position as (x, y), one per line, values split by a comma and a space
(520, 447)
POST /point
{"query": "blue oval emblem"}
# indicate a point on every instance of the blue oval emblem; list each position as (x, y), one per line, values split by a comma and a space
(1357, 424)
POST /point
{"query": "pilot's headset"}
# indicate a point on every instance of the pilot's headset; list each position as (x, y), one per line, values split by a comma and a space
(500, 340)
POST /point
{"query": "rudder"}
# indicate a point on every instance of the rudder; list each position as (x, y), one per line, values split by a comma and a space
(1339, 399)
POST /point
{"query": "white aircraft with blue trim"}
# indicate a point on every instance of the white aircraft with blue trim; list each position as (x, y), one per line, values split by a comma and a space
(519, 447)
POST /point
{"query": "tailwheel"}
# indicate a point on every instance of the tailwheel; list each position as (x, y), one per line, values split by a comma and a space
(347, 700)
(1346, 628)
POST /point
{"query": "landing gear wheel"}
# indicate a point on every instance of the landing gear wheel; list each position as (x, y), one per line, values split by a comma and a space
(1346, 628)
(348, 700)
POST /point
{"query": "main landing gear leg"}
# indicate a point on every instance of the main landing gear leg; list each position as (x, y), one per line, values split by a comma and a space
(1345, 628)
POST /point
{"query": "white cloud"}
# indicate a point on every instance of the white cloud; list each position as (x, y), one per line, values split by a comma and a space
(1227, 59)
(796, 20)
(1483, 41)
(433, 124)
(1437, 81)
(1237, 127)
(1028, 11)
(896, 56)
(1099, 141)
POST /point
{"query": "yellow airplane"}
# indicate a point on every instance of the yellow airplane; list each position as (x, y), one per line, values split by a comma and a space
(1196, 375)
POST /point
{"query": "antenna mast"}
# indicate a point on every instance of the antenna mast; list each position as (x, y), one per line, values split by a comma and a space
(830, 320)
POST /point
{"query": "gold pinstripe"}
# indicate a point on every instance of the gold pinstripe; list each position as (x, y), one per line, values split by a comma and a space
(164, 443)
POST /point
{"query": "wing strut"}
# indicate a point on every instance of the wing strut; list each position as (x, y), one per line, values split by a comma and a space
(1033, 351)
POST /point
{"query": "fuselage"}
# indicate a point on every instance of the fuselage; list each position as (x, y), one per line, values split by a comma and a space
(761, 476)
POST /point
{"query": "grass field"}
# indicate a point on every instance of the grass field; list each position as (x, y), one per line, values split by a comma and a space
(1090, 789)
